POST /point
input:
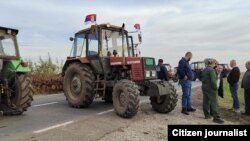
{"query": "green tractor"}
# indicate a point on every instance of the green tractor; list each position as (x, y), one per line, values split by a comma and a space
(15, 85)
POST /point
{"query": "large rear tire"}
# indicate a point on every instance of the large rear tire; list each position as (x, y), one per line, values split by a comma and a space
(126, 98)
(165, 103)
(78, 85)
(21, 92)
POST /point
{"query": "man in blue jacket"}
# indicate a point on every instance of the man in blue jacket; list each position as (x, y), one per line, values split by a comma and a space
(162, 72)
(246, 85)
(185, 75)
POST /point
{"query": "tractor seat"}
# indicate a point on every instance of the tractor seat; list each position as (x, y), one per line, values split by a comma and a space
(108, 53)
(115, 53)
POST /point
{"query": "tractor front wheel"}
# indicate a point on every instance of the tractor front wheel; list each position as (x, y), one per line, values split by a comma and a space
(21, 92)
(78, 85)
(165, 103)
(126, 98)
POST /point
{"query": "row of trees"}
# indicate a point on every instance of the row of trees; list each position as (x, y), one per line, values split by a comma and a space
(46, 75)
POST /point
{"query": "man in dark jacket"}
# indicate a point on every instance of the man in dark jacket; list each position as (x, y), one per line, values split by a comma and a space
(233, 79)
(185, 80)
(162, 72)
(209, 90)
(246, 85)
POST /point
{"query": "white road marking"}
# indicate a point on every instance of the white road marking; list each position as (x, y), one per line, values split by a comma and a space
(105, 112)
(45, 104)
(53, 127)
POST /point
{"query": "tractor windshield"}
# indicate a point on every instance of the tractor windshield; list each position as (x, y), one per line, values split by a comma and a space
(79, 49)
(7, 46)
(81, 42)
(201, 65)
(112, 43)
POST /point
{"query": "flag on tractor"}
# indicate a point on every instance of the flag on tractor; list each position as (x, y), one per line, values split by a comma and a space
(137, 27)
(90, 19)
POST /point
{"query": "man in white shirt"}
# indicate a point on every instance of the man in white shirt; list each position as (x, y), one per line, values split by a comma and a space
(219, 69)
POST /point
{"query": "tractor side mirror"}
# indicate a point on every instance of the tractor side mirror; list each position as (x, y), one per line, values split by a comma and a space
(24, 64)
(71, 39)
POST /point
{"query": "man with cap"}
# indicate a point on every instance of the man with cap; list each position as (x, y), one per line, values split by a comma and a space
(162, 72)
(210, 89)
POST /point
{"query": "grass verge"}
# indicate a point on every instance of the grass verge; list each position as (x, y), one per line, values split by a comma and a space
(226, 104)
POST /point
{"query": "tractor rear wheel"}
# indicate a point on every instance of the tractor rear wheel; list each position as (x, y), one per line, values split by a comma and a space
(165, 103)
(78, 85)
(126, 98)
(21, 92)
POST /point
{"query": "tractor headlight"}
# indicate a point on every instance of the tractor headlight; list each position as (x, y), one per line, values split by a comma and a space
(147, 73)
(153, 73)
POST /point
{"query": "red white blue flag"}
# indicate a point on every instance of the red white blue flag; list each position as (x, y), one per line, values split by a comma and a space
(137, 27)
(91, 18)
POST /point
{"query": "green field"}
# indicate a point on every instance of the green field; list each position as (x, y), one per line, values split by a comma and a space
(227, 101)
(226, 104)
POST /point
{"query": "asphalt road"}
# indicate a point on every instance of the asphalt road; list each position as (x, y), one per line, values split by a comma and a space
(52, 111)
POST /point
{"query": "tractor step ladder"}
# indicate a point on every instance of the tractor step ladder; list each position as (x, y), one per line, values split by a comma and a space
(100, 86)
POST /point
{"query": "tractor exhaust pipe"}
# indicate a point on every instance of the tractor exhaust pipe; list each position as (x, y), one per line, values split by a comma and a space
(123, 47)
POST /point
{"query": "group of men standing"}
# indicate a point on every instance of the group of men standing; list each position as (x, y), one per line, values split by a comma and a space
(212, 86)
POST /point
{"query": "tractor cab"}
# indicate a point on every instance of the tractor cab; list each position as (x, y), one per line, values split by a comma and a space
(8, 43)
(101, 40)
(100, 44)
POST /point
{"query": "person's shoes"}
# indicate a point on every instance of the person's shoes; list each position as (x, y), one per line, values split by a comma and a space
(191, 109)
(207, 117)
(184, 111)
(236, 110)
(218, 120)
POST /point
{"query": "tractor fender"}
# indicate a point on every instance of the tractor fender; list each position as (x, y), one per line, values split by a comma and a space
(73, 60)
(157, 88)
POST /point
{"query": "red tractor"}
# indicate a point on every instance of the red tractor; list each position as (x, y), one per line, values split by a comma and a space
(103, 64)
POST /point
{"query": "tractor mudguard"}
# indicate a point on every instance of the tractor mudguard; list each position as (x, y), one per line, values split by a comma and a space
(157, 88)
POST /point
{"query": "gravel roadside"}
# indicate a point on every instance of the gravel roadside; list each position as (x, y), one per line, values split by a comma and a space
(153, 126)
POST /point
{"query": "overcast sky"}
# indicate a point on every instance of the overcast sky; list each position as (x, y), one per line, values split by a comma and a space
(208, 28)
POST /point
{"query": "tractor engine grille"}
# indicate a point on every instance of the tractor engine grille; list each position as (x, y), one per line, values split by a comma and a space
(136, 72)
